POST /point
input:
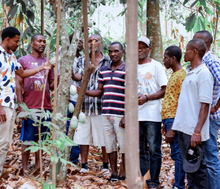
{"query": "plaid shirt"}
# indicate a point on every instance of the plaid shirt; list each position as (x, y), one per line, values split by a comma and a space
(213, 64)
(93, 105)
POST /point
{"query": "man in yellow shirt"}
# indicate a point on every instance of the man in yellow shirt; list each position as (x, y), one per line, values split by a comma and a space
(172, 57)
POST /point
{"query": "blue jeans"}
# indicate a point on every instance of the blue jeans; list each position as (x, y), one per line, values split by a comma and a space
(176, 156)
(150, 141)
(75, 150)
(211, 155)
(198, 179)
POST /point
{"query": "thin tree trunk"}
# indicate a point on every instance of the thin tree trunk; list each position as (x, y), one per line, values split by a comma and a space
(55, 87)
(132, 161)
(5, 13)
(42, 17)
(65, 75)
(216, 29)
(154, 29)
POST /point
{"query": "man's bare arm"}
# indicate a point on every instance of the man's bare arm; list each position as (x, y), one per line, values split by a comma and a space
(203, 113)
(27, 73)
(216, 107)
(19, 82)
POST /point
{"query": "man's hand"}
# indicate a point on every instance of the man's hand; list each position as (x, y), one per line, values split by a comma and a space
(195, 140)
(122, 123)
(142, 99)
(2, 115)
(163, 131)
(47, 65)
(213, 110)
(21, 110)
(170, 136)
(78, 89)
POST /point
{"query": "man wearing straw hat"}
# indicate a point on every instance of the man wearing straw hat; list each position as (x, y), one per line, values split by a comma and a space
(92, 107)
(30, 91)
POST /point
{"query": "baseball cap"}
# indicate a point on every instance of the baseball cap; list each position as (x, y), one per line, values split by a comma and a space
(144, 40)
(192, 159)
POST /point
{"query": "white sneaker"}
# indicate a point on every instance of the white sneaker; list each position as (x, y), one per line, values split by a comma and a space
(84, 170)
(105, 172)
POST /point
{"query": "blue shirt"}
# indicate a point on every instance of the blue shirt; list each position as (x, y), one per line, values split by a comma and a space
(213, 64)
(114, 90)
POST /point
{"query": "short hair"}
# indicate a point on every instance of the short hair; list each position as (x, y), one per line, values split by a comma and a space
(206, 35)
(97, 34)
(34, 36)
(10, 32)
(117, 43)
(174, 51)
(199, 45)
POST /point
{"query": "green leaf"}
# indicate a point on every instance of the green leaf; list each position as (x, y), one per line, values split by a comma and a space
(202, 22)
(194, 3)
(13, 11)
(30, 15)
(54, 158)
(185, 1)
(196, 26)
(208, 10)
(33, 148)
(202, 2)
(190, 22)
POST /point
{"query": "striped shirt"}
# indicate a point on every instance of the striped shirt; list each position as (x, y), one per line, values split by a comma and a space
(213, 64)
(114, 90)
(92, 106)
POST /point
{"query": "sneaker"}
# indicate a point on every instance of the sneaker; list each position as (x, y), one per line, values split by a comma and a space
(113, 178)
(105, 172)
(84, 170)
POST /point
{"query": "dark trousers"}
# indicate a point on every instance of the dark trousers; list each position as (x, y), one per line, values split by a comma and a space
(150, 150)
(197, 180)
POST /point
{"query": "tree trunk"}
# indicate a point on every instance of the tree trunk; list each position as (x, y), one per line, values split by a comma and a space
(154, 29)
(65, 75)
(132, 161)
(5, 13)
(42, 17)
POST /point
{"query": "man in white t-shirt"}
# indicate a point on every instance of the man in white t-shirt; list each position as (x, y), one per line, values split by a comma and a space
(192, 116)
(152, 83)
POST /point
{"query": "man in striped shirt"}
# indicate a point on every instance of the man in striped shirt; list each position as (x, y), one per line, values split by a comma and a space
(111, 87)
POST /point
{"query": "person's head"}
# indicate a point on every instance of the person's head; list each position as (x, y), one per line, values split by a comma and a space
(38, 43)
(205, 36)
(10, 38)
(144, 47)
(115, 51)
(172, 56)
(98, 42)
(195, 48)
(80, 45)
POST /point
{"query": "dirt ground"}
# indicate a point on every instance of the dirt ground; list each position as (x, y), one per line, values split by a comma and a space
(13, 176)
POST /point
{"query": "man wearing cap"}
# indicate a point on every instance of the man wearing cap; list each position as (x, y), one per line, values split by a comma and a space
(152, 83)
(192, 120)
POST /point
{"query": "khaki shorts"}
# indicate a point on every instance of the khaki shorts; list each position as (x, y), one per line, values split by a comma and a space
(113, 133)
(6, 132)
(91, 129)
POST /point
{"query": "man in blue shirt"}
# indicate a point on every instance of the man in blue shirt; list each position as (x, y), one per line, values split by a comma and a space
(211, 146)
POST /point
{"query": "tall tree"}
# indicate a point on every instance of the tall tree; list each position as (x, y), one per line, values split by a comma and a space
(154, 29)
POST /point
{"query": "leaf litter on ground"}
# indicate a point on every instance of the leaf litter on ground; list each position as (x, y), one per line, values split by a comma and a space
(14, 177)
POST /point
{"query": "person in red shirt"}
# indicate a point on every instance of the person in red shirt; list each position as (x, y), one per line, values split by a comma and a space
(30, 91)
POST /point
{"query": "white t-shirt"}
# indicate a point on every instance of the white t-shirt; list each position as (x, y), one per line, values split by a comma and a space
(197, 88)
(151, 76)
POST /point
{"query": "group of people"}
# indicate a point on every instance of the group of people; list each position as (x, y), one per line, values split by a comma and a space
(189, 116)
